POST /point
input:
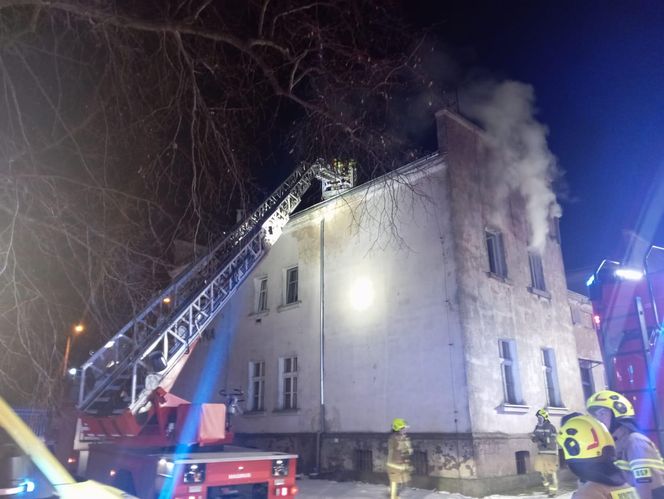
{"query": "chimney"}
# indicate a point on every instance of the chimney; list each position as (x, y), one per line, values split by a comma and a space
(442, 123)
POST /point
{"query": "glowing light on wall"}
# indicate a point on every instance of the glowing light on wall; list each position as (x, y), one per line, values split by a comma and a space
(590, 280)
(361, 294)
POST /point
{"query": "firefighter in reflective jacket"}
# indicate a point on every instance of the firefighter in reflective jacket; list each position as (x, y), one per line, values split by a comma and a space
(590, 454)
(546, 461)
(399, 451)
(636, 455)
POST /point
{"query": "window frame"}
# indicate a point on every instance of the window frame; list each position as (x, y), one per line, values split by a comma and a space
(260, 301)
(510, 365)
(288, 298)
(554, 229)
(537, 280)
(575, 314)
(586, 365)
(256, 400)
(287, 399)
(495, 248)
(551, 381)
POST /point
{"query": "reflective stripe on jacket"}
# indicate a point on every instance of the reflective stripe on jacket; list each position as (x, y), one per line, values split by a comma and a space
(594, 490)
(641, 464)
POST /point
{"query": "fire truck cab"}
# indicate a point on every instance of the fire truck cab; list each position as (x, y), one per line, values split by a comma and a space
(627, 300)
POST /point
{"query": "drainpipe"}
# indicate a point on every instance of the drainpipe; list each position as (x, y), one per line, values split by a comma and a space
(321, 413)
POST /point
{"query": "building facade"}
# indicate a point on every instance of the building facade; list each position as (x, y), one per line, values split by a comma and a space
(402, 298)
(591, 367)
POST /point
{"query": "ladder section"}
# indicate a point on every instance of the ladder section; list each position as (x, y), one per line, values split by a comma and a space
(124, 373)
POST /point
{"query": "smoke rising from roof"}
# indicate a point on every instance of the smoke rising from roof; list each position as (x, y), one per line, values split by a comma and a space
(522, 160)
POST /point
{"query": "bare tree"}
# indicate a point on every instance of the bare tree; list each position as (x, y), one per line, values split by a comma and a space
(126, 125)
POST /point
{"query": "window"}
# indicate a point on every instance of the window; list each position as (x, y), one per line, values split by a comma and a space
(576, 314)
(496, 252)
(420, 462)
(288, 383)
(291, 285)
(522, 461)
(587, 378)
(551, 378)
(554, 229)
(261, 294)
(508, 362)
(536, 271)
(363, 460)
(257, 386)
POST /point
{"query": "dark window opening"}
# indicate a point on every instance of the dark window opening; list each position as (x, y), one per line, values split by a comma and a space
(522, 461)
(496, 253)
(586, 378)
(536, 271)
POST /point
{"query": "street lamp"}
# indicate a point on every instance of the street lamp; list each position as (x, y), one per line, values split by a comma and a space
(76, 330)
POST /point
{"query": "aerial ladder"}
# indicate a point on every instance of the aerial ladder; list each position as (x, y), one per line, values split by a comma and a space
(127, 383)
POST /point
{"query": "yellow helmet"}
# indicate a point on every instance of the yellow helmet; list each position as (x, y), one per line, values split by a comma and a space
(583, 437)
(619, 405)
(399, 424)
(543, 412)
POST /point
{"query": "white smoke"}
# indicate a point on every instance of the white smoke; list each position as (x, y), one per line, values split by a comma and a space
(523, 161)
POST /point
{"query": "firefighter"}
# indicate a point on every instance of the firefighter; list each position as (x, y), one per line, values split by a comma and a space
(546, 460)
(399, 451)
(636, 455)
(590, 453)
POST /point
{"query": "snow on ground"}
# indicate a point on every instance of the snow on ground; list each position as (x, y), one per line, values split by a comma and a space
(323, 489)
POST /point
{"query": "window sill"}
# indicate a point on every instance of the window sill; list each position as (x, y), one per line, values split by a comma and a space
(259, 315)
(499, 277)
(253, 414)
(288, 306)
(539, 292)
(558, 411)
(285, 411)
(513, 408)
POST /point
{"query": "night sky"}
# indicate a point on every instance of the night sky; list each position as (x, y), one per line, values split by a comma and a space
(598, 73)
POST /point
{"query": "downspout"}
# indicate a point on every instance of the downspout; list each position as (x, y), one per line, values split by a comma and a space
(321, 413)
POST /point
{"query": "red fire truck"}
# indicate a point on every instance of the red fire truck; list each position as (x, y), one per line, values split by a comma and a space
(137, 435)
(628, 299)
